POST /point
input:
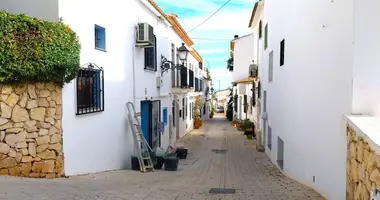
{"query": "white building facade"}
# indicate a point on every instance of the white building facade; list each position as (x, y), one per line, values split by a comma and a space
(100, 139)
(314, 68)
(244, 76)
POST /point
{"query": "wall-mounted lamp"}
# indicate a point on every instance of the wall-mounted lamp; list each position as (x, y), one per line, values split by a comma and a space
(167, 64)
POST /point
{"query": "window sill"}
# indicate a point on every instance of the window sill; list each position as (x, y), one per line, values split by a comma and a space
(150, 70)
(100, 49)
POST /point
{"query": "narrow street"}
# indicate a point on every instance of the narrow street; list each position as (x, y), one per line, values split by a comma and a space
(241, 167)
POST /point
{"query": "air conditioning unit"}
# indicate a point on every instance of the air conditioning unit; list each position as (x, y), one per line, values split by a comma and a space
(159, 82)
(144, 35)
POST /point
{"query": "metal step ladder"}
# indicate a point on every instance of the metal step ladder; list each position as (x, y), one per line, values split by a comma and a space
(142, 149)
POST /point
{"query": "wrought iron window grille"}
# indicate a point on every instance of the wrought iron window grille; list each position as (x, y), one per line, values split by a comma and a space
(90, 89)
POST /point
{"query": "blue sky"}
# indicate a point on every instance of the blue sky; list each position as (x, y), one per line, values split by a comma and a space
(232, 20)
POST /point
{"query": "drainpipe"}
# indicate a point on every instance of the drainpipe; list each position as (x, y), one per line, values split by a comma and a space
(133, 73)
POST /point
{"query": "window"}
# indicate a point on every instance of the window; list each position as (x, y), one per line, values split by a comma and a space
(178, 71)
(269, 138)
(174, 115)
(270, 73)
(90, 90)
(151, 56)
(186, 108)
(173, 71)
(245, 103)
(100, 38)
(260, 29)
(282, 52)
(253, 103)
(266, 37)
(165, 115)
(236, 103)
(183, 108)
(191, 110)
(259, 90)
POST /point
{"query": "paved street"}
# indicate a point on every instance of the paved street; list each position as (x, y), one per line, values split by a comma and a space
(241, 168)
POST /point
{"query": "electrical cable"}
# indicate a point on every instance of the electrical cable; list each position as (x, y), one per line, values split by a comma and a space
(209, 16)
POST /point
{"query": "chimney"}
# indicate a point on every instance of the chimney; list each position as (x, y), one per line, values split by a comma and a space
(236, 36)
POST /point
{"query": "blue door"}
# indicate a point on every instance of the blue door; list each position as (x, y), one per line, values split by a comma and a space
(145, 119)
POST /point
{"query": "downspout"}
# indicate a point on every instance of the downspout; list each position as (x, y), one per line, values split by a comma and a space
(133, 73)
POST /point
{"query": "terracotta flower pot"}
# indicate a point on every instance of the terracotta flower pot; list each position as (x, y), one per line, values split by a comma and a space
(197, 124)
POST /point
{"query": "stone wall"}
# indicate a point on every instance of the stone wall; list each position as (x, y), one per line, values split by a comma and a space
(363, 164)
(30, 130)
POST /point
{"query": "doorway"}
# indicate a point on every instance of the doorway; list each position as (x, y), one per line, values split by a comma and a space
(150, 122)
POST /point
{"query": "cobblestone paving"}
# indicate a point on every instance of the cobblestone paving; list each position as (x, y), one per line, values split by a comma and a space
(249, 172)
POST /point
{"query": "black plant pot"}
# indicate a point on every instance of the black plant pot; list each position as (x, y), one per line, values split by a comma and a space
(160, 163)
(171, 163)
(135, 163)
(182, 153)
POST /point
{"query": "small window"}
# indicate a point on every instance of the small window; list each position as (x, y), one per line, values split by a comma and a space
(90, 90)
(165, 115)
(259, 90)
(183, 108)
(266, 37)
(100, 38)
(151, 56)
(191, 110)
(173, 111)
(270, 68)
(253, 102)
(282, 53)
(245, 103)
(260, 29)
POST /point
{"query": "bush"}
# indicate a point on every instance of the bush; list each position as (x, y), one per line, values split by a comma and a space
(33, 50)
(212, 114)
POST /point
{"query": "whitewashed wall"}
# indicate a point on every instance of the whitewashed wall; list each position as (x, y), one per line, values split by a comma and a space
(366, 82)
(243, 57)
(103, 141)
(312, 91)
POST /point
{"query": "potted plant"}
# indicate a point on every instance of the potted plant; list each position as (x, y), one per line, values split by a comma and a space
(248, 129)
(182, 153)
(171, 162)
(198, 104)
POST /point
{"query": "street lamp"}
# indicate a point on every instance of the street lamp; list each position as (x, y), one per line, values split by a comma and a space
(167, 64)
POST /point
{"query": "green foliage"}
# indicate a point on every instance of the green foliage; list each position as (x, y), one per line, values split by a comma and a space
(198, 105)
(247, 124)
(212, 113)
(230, 108)
(208, 76)
(33, 50)
(230, 64)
